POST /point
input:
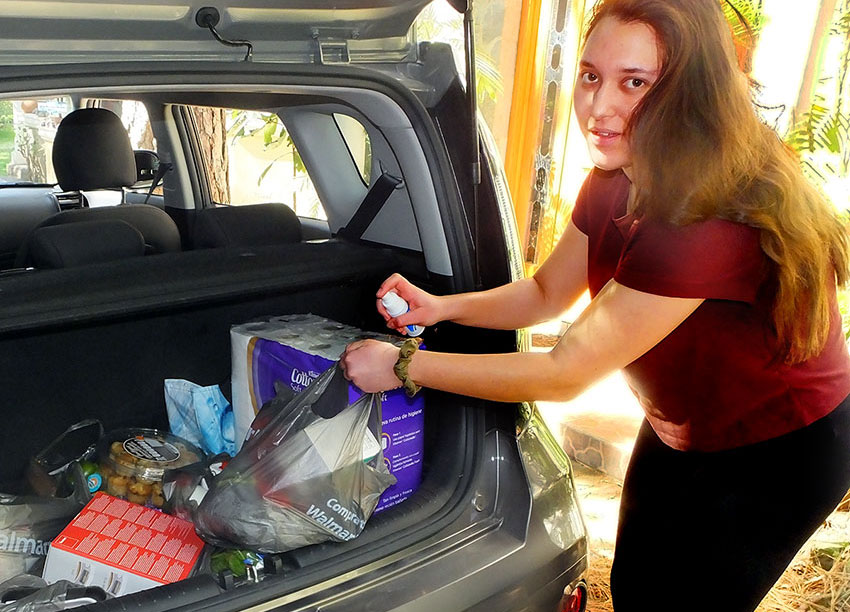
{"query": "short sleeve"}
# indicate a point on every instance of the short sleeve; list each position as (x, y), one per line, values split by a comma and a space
(714, 259)
(601, 193)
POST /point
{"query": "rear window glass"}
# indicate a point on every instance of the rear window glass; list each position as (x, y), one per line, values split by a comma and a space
(357, 140)
(251, 159)
(28, 128)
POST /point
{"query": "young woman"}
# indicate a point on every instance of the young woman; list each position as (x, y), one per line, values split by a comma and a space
(712, 266)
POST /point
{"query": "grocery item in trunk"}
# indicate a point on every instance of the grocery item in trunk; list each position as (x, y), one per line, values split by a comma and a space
(133, 460)
(27, 525)
(289, 352)
(48, 471)
(27, 593)
(123, 547)
(201, 415)
(302, 479)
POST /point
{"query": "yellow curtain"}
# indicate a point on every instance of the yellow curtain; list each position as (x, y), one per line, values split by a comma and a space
(524, 123)
(536, 161)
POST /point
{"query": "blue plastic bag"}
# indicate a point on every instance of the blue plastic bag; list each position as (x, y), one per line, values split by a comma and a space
(201, 415)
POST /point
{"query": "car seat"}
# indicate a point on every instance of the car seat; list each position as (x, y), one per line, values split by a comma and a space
(248, 225)
(21, 210)
(75, 244)
(92, 151)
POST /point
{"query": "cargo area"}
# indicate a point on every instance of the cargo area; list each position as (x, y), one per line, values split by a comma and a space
(119, 329)
(98, 341)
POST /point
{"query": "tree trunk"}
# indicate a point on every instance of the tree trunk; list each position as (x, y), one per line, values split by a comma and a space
(213, 141)
(146, 141)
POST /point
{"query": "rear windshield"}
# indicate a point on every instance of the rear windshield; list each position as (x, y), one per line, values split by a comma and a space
(28, 128)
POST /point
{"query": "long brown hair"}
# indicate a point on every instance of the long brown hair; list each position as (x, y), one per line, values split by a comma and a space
(699, 150)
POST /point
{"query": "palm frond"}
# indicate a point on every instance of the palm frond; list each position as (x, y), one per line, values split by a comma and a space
(745, 16)
(819, 128)
(821, 135)
(488, 78)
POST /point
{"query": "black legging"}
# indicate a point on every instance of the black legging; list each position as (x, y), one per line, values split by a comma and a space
(714, 531)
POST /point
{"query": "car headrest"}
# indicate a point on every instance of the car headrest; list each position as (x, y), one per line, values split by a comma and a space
(92, 151)
(76, 244)
(250, 225)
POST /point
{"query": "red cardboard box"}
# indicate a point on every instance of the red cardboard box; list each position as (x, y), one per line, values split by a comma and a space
(123, 547)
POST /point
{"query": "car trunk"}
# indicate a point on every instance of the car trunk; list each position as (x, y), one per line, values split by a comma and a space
(99, 341)
(86, 343)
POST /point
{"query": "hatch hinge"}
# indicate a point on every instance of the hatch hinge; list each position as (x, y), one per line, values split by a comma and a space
(331, 50)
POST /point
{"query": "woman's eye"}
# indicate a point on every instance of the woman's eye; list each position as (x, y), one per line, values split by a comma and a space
(588, 77)
(635, 83)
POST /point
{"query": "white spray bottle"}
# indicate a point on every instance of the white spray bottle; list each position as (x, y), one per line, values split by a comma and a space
(396, 306)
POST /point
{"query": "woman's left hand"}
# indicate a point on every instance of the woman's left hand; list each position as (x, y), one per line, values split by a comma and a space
(369, 365)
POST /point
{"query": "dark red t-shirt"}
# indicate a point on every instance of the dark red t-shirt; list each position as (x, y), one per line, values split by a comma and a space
(714, 382)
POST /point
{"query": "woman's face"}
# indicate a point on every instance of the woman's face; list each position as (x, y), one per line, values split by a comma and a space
(621, 61)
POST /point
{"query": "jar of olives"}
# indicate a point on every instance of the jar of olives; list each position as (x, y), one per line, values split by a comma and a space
(133, 461)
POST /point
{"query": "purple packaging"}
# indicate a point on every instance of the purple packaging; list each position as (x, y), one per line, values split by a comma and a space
(294, 350)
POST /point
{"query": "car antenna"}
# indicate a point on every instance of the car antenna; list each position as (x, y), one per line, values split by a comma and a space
(208, 17)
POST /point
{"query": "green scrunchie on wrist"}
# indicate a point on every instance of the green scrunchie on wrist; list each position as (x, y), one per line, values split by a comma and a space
(405, 354)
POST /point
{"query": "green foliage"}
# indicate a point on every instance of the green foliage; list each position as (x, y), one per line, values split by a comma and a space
(7, 135)
(31, 147)
(821, 134)
(7, 145)
(5, 114)
(822, 129)
(745, 16)
(844, 308)
(488, 79)
(274, 136)
(437, 23)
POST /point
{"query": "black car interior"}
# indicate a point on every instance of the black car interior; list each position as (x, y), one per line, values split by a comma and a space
(117, 289)
(76, 244)
(243, 226)
(21, 210)
(159, 233)
(92, 151)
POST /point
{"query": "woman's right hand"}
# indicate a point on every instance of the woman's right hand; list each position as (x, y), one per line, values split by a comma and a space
(425, 308)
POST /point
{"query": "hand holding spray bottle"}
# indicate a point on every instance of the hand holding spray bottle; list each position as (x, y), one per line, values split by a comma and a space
(397, 306)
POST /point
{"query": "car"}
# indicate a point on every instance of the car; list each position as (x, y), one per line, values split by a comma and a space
(353, 151)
